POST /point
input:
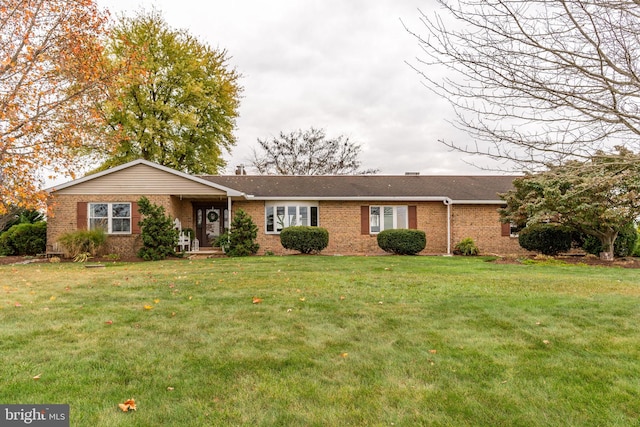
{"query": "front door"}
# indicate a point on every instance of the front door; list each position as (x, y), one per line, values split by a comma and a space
(211, 220)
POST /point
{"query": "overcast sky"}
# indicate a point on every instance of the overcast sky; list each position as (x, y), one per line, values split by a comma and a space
(333, 64)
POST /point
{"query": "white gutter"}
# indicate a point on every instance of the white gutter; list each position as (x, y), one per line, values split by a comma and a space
(478, 202)
(406, 199)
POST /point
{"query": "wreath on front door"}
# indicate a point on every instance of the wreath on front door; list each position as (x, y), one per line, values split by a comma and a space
(212, 216)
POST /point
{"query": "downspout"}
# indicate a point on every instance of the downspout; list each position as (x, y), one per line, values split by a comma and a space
(447, 203)
(229, 218)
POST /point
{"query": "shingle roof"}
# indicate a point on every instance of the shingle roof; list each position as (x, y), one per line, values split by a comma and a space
(458, 188)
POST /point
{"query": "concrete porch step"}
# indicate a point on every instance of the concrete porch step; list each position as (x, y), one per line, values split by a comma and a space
(205, 252)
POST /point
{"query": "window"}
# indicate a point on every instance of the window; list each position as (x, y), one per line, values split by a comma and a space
(387, 218)
(279, 215)
(114, 218)
(510, 229)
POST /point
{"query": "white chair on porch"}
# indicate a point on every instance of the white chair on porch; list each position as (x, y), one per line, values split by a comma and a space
(184, 240)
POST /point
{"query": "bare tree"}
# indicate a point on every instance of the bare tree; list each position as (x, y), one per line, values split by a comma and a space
(537, 82)
(308, 152)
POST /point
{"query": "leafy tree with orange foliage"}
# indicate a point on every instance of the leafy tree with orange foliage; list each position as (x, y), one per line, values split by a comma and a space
(50, 79)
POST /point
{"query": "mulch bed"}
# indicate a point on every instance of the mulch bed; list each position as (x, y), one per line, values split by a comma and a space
(628, 262)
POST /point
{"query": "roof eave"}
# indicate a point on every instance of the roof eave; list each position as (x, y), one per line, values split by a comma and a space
(230, 191)
(352, 198)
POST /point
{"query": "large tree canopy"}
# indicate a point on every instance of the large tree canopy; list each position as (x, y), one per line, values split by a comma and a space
(176, 104)
(308, 152)
(598, 197)
(537, 82)
(50, 79)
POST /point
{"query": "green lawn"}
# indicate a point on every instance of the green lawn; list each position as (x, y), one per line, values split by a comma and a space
(335, 341)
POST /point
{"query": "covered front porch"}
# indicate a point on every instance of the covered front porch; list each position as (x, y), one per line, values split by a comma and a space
(200, 222)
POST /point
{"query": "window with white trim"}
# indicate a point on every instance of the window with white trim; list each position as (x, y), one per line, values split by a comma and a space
(113, 218)
(279, 215)
(387, 218)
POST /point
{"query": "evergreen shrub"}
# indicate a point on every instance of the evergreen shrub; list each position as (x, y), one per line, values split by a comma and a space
(159, 235)
(24, 239)
(242, 235)
(402, 241)
(548, 239)
(304, 239)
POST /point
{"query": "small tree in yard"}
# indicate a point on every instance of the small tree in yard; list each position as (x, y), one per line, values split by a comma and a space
(242, 235)
(599, 197)
(159, 236)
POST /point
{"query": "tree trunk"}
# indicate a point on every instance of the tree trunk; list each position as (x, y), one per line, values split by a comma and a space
(607, 240)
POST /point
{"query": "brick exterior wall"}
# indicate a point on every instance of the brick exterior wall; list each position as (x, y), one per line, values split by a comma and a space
(341, 219)
(482, 224)
(65, 208)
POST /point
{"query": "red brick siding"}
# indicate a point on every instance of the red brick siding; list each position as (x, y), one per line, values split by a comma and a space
(343, 221)
(66, 217)
(482, 224)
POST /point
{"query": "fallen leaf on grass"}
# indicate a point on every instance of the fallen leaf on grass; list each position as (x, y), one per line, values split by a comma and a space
(546, 342)
(344, 355)
(37, 377)
(302, 299)
(18, 304)
(156, 300)
(433, 351)
(128, 405)
(257, 300)
(148, 307)
(342, 297)
(109, 322)
(170, 388)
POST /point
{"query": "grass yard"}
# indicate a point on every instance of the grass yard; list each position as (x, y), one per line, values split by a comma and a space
(334, 341)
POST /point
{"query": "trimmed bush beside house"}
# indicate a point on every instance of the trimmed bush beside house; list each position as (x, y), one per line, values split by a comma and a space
(402, 241)
(548, 239)
(304, 239)
(24, 239)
